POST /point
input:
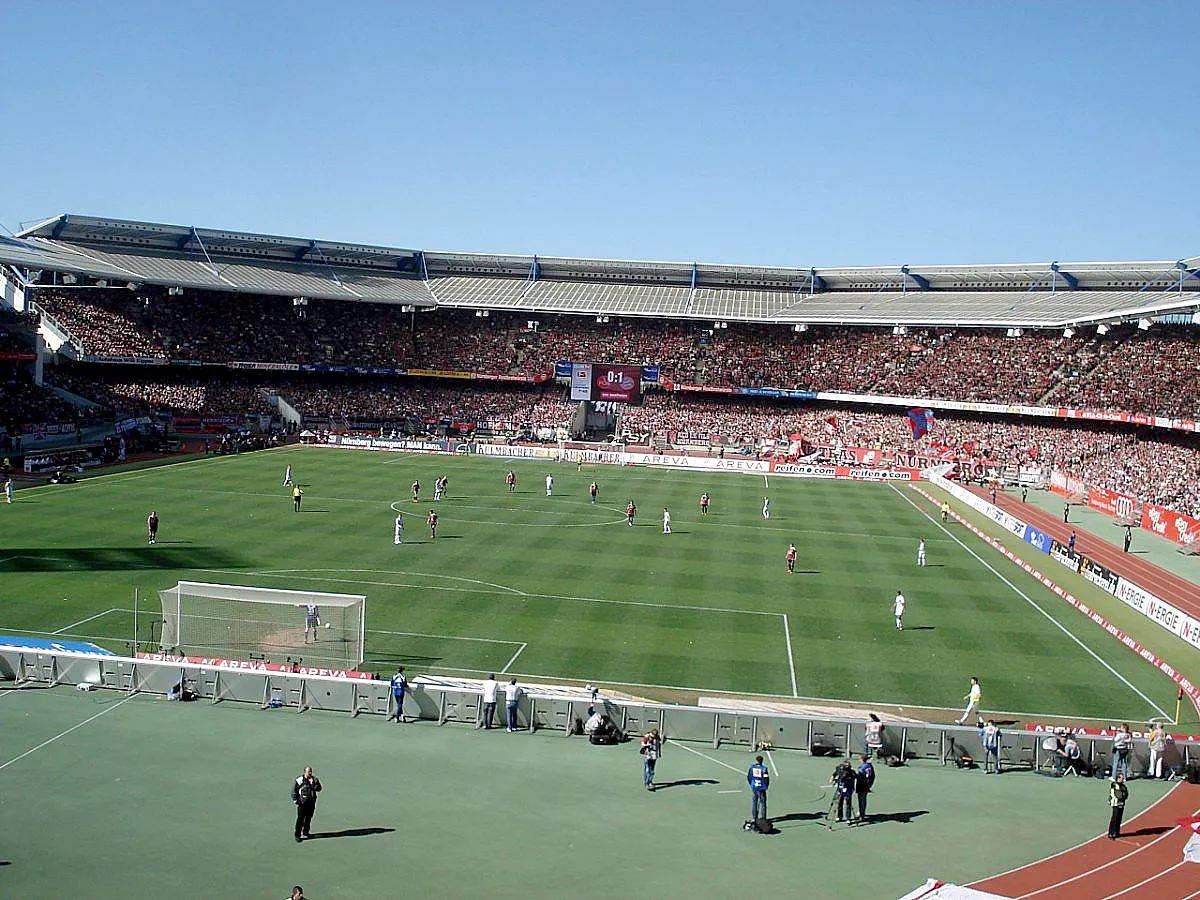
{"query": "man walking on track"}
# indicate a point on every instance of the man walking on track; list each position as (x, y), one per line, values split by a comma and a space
(304, 794)
(973, 697)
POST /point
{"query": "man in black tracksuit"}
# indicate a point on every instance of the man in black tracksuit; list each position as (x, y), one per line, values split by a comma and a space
(844, 781)
(304, 794)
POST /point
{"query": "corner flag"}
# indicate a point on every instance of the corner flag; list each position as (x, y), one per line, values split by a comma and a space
(920, 421)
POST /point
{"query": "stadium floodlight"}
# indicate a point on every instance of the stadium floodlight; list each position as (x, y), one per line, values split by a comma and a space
(1068, 332)
(481, 313)
(102, 283)
(800, 327)
(134, 285)
(1144, 324)
(1015, 332)
(900, 329)
(175, 291)
(1102, 328)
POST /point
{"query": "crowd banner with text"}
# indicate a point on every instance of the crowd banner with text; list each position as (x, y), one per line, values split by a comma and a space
(1119, 506)
(1172, 525)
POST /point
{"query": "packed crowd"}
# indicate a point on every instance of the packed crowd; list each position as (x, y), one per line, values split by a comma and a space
(425, 403)
(1159, 467)
(1161, 368)
(1125, 370)
(24, 403)
(162, 390)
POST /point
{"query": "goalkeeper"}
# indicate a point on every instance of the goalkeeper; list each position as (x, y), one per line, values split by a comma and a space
(312, 620)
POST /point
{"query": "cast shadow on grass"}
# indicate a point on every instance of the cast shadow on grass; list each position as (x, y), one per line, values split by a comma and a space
(798, 817)
(921, 628)
(349, 832)
(904, 818)
(808, 571)
(82, 559)
(683, 782)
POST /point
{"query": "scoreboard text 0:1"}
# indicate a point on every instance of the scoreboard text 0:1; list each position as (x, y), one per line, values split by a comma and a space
(620, 383)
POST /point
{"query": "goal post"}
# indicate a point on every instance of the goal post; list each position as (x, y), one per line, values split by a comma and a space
(238, 621)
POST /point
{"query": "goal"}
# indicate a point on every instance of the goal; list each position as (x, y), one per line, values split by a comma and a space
(263, 623)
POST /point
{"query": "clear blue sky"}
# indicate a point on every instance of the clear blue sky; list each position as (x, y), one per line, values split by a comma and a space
(776, 133)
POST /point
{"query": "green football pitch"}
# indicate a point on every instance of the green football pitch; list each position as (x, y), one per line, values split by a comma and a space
(558, 588)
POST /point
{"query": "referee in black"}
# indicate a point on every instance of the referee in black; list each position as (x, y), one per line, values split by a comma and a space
(304, 794)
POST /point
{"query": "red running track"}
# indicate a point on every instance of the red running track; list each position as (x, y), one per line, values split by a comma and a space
(1168, 586)
(1145, 863)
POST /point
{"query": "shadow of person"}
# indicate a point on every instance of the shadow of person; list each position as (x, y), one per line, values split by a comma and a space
(348, 832)
(799, 817)
(683, 782)
(903, 817)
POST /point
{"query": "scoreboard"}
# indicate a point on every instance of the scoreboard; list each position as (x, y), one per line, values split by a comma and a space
(601, 381)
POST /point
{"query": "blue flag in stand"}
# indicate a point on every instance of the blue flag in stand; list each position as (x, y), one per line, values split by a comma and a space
(921, 421)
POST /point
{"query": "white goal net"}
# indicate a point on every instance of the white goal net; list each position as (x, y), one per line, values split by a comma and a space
(248, 622)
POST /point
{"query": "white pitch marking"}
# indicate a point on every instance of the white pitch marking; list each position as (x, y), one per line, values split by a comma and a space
(62, 734)
(771, 760)
(1088, 650)
(445, 637)
(82, 621)
(520, 650)
(282, 573)
(277, 573)
(767, 486)
(787, 633)
(728, 792)
(706, 756)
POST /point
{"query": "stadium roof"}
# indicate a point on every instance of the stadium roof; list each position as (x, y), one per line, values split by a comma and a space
(1043, 294)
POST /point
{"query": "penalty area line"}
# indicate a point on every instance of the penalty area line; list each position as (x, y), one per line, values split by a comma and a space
(84, 621)
(1020, 593)
(508, 664)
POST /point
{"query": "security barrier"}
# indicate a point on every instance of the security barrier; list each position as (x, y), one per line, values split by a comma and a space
(550, 710)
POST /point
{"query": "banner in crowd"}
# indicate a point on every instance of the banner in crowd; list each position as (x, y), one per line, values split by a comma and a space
(256, 665)
(1172, 525)
(17, 356)
(1119, 506)
(263, 366)
(1067, 485)
(785, 393)
(393, 445)
(126, 360)
(808, 470)
(705, 463)
(562, 369)
(650, 374)
(204, 424)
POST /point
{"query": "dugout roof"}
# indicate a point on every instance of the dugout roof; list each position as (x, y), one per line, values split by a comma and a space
(1042, 294)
